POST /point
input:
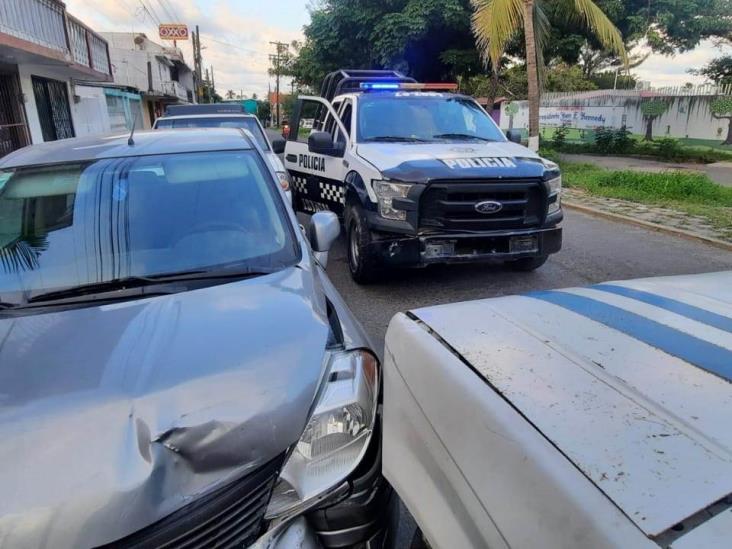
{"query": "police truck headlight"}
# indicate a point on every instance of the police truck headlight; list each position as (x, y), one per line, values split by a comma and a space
(555, 189)
(336, 436)
(386, 191)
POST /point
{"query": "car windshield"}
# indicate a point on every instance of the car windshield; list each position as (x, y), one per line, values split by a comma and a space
(71, 225)
(244, 122)
(416, 117)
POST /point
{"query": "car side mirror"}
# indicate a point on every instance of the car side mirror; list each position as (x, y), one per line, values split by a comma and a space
(514, 136)
(278, 145)
(322, 143)
(324, 230)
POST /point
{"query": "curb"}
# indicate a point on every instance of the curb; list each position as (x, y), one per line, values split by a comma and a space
(648, 225)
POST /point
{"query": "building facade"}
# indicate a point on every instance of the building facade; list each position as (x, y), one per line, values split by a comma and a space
(159, 73)
(44, 51)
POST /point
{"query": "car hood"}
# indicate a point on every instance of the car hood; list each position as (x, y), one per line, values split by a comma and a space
(112, 417)
(630, 381)
(446, 160)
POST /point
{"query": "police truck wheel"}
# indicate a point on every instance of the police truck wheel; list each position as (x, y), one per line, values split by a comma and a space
(527, 264)
(362, 263)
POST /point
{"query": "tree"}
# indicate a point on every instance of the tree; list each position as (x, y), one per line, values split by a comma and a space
(230, 94)
(718, 70)
(651, 110)
(722, 108)
(428, 39)
(496, 22)
(512, 110)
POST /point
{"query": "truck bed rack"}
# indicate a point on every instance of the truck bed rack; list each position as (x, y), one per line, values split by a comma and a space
(349, 80)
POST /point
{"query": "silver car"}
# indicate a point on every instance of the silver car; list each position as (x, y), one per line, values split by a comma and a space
(228, 115)
(176, 369)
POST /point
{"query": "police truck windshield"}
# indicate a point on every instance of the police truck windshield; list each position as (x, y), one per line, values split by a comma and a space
(423, 117)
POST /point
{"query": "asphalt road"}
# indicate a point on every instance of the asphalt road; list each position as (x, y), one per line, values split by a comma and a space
(594, 250)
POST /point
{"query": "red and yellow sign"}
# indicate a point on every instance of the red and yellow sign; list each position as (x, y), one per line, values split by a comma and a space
(173, 31)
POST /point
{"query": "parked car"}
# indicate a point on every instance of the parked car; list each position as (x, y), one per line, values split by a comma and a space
(176, 369)
(420, 175)
(589, 417)
(227, 115)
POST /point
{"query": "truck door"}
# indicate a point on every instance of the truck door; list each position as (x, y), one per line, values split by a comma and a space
(317, 175)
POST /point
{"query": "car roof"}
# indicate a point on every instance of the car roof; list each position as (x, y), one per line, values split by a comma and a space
(147, 142)
(210, 115)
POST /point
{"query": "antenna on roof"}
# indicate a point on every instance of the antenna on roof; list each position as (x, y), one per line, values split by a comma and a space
(131, 141)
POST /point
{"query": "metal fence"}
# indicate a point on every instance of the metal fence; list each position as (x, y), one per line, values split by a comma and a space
(38, 21)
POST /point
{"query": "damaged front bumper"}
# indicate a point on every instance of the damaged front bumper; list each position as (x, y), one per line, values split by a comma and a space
(429, 248)
(360, 512)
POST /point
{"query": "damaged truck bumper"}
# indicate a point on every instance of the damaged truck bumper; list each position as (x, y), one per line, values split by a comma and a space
(430, 248)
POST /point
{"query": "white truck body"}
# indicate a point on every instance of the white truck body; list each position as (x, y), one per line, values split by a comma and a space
(593, 417)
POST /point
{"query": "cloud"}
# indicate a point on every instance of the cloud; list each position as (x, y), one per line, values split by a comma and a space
(663, 70)
(236, 35)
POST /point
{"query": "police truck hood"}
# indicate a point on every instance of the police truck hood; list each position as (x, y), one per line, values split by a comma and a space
(630, 381)
(114, 416)
(387, 156)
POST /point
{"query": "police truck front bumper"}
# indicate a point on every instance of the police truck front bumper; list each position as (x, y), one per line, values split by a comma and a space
(426, 249)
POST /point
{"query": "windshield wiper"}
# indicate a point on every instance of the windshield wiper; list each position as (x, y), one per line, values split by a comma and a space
(396, 139)
(6, 305)
(142, 285)
(462, 136)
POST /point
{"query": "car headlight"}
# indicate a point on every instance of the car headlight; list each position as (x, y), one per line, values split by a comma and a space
(284, 180)
(555, 189)
(336, 436)
(386, 191)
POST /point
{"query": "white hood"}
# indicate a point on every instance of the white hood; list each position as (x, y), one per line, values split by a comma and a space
(384, 156)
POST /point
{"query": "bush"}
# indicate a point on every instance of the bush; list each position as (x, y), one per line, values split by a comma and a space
(623, 140)
(669, 148)
(559, 139)
(604, 140)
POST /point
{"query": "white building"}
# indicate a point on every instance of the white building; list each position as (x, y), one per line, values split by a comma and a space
(159, 73)
(44, 51)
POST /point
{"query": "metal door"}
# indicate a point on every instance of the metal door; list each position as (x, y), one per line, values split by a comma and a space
(54, 113)
(13, 130)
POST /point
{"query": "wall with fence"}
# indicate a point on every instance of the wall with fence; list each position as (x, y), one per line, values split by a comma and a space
(684, 114)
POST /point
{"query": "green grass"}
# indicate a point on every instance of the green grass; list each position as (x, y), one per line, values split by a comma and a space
(691, 193)
(688, 150)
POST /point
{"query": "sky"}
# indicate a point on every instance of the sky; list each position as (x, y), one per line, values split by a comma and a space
(236, 36)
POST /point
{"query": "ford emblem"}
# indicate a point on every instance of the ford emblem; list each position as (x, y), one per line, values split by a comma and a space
(488, 207)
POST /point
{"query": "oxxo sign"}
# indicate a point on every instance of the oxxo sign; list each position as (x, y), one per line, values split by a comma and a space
(173, 31)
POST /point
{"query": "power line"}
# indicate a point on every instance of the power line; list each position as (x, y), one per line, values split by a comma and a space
(209, 39)
(174, 11)
(151, 12)
(166, 11)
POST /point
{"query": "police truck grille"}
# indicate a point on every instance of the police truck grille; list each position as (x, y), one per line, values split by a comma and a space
(451, 204)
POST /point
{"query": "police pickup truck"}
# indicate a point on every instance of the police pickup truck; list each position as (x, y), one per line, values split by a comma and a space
(420, 175)
(572, 419)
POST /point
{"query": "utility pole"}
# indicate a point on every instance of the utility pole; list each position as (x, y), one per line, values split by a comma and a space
(197, 62)
(281, 48)
(213, 84)
(208, 88)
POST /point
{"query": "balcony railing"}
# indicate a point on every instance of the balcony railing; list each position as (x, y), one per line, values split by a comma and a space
(46, 23)
(171, 87)
(38, 21)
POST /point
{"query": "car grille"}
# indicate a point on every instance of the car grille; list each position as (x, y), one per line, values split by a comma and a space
(451, 204)
(230, 517)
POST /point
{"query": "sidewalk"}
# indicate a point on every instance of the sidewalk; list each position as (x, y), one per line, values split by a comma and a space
(719, 172)
(653, 217)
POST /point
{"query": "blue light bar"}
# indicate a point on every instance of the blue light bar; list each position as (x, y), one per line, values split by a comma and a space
(379, 85)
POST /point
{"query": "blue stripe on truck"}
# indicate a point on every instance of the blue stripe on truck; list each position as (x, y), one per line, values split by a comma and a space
(705, 355)
(684, 309)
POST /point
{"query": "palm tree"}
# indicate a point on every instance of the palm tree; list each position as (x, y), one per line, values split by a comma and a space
(230, 94)
(496, 22)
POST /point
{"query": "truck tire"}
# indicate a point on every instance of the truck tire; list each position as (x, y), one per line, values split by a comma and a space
(365, 267)
(528, 264)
